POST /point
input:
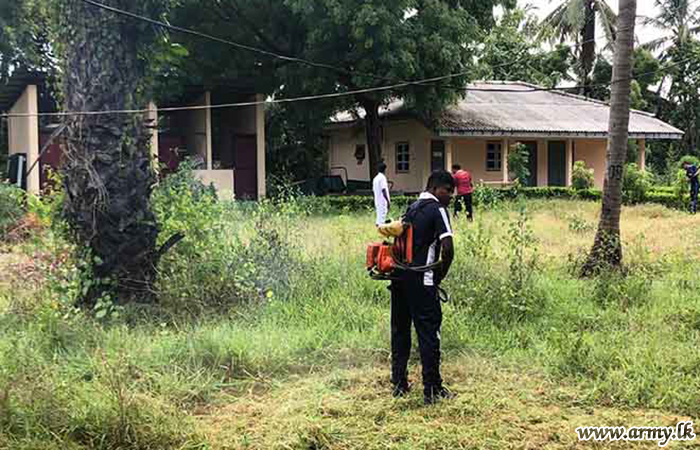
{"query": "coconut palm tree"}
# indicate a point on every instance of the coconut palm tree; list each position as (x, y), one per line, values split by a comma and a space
(579, 20)
(607, 248)
(680, 19)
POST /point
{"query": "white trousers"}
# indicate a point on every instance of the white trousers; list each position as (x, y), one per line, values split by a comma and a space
(382, 212)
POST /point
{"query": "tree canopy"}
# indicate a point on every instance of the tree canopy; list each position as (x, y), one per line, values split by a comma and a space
(372, 43)
(514, 51)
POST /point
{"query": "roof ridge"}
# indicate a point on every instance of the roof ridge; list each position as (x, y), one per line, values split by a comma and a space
(582, 98)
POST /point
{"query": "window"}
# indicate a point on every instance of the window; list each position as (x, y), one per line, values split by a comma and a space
(403, 154)
(493, 157)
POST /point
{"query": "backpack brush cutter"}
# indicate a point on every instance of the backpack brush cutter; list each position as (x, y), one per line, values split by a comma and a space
(385, 260)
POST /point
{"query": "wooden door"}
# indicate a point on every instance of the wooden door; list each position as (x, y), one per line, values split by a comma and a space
(245, 156)
(437, 155)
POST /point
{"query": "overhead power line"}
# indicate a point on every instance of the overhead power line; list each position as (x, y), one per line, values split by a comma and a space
(394, 86)
(327, 96)
(270, 54)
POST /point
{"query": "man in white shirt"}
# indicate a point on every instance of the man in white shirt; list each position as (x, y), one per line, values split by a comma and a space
(382, 201)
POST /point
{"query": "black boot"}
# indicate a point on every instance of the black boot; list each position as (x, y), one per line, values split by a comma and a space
(433, 394)
(401, 389)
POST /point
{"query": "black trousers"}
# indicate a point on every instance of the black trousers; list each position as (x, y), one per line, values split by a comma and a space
(464, 201)
(694, 188)
(411, 302)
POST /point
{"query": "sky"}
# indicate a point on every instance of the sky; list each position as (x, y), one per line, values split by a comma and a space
(644, 8)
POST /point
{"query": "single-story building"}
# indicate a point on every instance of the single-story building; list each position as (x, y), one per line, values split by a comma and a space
(227, 143)
(557, 127)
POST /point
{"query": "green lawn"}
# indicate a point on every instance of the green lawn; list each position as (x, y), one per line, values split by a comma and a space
(303, 364)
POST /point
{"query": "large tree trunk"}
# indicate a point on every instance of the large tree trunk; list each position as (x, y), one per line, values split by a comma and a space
(607, 248)
(108, 175)
(374, 135)
(588, 35)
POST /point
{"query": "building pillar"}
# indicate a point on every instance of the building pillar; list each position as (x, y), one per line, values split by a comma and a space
(210, 153)
(569, 161)
(504, 161)
(24, 134)
(260, 135)
(152, 118)
(642, 160)
(448, 155)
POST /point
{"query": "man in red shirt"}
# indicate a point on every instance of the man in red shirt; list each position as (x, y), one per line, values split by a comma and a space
(465, 189)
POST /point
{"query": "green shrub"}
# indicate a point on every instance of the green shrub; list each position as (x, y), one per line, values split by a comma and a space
(578, 224)
(635, 184)
(12, 207)
(668, 199)
(518, 163)
(498, 294)
(582, 177)
(488, 197)
(232, 252)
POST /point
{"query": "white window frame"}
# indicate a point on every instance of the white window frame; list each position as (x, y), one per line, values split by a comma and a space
(403, 147)
(498, 159)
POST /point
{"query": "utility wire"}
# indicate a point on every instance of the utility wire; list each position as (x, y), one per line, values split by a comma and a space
(238, 45)
(395, 86)
(250, 48)
(331, 95)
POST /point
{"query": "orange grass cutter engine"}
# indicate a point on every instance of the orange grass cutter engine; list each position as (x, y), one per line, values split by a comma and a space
(384, 258)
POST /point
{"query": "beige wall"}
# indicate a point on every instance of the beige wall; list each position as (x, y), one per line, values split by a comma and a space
(593, 153)
(470, 153)
(342, 154)
(24, 134)
(342, 150)
(221, 179)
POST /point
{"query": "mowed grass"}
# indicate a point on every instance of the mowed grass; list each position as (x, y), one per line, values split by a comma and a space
(308, 368)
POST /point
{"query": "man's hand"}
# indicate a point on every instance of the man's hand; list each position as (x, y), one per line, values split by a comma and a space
(448, 255)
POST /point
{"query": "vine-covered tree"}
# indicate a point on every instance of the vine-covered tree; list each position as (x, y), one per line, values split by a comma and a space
(107, 174)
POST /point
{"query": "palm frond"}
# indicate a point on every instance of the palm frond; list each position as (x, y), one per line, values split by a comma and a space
(608, 19)
(656, 44)
(557, 21)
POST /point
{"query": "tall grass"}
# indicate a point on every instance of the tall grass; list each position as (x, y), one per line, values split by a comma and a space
(257, 294)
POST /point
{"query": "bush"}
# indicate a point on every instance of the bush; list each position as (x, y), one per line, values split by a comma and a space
(12, 207)
(582, 177)
(499, 295)
(635, 184)
(232, 252)
(518, 163)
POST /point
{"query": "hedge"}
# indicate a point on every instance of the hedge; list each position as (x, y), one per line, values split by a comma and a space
(353, 203)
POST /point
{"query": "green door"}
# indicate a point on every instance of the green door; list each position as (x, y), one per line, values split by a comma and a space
(557, 163)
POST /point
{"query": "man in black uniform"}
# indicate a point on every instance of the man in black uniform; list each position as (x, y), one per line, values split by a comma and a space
(415, 297)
